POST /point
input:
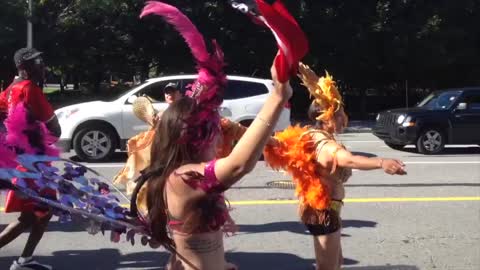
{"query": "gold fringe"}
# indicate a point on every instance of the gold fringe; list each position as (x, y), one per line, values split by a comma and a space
(326, 217)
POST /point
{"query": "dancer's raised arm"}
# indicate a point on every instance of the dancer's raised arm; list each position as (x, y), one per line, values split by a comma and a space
(248, 150)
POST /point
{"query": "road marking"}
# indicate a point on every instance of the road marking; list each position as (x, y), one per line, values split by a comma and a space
(363, 200)
(409, 146)
(121, 165)
(442, 162)
(352, 200)
(345, 141)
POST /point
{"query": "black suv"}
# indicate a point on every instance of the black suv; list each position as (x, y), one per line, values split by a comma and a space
(444, 117)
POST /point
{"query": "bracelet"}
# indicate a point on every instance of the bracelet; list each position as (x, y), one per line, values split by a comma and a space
(264, 121)
(381, 163)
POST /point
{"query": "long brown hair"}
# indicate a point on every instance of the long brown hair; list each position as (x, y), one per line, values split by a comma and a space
(166, 156)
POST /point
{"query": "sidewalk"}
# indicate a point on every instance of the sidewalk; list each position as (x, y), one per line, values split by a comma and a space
(360, 126)
(354, 126)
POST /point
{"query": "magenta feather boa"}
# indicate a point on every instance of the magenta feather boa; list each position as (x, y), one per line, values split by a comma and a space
(25, 135)
(207, 90)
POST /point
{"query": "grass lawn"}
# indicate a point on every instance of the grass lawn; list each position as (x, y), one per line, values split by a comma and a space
(50, 90)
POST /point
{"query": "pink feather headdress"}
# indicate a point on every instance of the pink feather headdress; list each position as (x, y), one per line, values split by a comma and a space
(204, 123)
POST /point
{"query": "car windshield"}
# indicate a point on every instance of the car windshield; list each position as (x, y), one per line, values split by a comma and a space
(440, 101)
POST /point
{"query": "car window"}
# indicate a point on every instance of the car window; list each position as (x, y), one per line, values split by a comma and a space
(440, 101)
(236, 89)
(242, 89)
(155, 91)
(473, 102)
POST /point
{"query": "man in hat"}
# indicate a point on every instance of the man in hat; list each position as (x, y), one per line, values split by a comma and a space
(27, 88)
(172, 93)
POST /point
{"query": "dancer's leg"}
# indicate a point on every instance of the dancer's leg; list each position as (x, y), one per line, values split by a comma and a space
(14, 229)
(328, 251)
(38, 228)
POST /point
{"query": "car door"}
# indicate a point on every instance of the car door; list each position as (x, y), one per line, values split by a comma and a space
(131, 124)
(466, 119)
(243, 100)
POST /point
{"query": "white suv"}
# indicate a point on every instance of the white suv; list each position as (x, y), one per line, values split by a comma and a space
(96, 129)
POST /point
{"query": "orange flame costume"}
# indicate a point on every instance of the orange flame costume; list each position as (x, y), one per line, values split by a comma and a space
(297, 151)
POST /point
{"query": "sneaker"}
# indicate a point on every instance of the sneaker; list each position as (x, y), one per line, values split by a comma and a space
(29, 265)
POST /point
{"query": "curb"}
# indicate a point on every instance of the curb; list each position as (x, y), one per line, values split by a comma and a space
(357, 130)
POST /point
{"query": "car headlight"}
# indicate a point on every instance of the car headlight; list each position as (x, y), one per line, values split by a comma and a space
(409, 122)
(400, 119)
(65, 114)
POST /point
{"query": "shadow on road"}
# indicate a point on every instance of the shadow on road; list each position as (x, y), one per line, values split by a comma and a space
(383, 267)
(101, 259)
(112, 259)
(76, 225)
(297, 227)
(277, 261)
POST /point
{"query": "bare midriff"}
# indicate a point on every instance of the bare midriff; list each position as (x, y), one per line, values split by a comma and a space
(202, 250)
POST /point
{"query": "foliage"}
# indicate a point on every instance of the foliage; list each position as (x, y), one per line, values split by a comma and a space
(365, 44)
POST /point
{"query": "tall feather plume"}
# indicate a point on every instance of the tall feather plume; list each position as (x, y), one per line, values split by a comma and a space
(182, 24)
(207, 90)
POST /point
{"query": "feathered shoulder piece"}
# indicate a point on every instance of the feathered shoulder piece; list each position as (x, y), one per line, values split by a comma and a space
(296, 154)
(323, 90)
(207, 90)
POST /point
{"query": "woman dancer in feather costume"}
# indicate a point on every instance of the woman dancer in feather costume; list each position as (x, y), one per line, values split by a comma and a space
(187, 210)
(320, 166)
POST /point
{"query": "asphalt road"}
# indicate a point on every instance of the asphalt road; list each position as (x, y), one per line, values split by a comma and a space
(428, 219)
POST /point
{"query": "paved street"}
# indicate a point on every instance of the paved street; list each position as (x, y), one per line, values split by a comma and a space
(428, 219)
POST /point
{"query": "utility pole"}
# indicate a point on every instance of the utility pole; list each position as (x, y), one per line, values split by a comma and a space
(29, 25)
(406, 93)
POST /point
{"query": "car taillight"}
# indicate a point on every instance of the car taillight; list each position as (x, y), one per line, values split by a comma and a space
(288, 105)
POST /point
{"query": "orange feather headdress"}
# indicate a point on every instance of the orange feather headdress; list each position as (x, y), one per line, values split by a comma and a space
(323, 90)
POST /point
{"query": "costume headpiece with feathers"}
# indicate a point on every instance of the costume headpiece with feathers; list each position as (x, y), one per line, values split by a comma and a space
(323, 90)
(204, 122)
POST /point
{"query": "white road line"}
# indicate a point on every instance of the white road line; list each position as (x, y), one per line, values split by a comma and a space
(442, 162)
(345, 141)
(447, 146)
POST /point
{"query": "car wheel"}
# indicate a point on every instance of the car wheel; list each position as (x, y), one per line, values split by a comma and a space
(395, 146)
(246, 123)
(95, 143)
(431, 141)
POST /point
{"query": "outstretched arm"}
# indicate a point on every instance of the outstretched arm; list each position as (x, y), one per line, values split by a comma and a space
(346, 159)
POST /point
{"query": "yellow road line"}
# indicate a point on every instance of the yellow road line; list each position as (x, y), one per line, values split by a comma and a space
(352, 200)
(363, 200)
